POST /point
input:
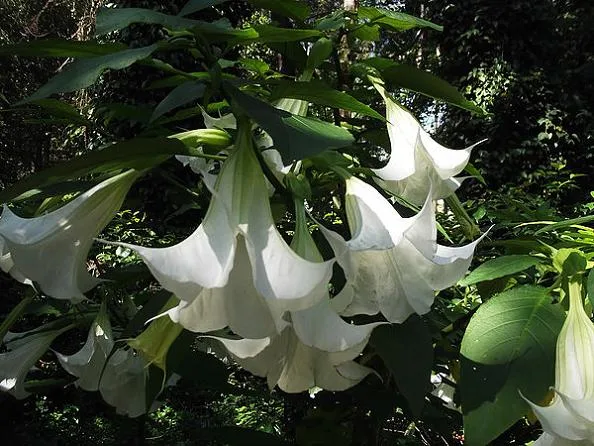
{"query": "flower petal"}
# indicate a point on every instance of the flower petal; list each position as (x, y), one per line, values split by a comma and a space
(51, 250)
(87, 364)
(558, 421)
(22, 355)
(123, 383)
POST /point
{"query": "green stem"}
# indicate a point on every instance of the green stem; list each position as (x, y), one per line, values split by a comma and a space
(16, 314)
(469, 227)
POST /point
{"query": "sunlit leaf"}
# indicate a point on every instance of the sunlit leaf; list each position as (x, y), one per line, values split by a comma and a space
(396, 21)
(320, 93)
(412, 78)
(296, 137)
(509, 346)
(499, 267)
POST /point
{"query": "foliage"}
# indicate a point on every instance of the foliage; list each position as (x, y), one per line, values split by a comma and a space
(485, 339)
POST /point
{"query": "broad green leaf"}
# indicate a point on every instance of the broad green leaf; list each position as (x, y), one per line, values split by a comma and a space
(61, 48)
(138, 153)
(177, 79)
(181, 95)
(565, 224)
(293, 53)
(274, 34)
(295, 137)
(569, 262)
(370, 33)
(508, 347)
(294, 9)
(407, 351)
(397, 21)
(319, 52)
(113, 19)
(320, 93)
(499, 267)
(197, 5)
(85, 72)
(61, 109)
(414, 79)
(332, 21)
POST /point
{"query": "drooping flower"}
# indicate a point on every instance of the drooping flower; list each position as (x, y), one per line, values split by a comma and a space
(315, 348)
(51, 250)
(236, 269)
(285, 361)
(417, 163)
(123, 383)
(393, 265)
(24, 349)
(87, 364)
(569, 419)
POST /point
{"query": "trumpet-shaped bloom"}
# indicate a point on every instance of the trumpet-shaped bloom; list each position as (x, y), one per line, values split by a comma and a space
(51, 250)
(23, 353)
(417, 163)
(285, 361)
(569, 419)
(87, 364)
(393, 265)
(210, 269)
(123, 383)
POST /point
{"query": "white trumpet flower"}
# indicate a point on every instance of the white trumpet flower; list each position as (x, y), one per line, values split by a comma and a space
(417, 163)
(285, 361)
(569, 419)
(87, 364)
(393, 265)
(24, 349)
(123, 383)
(51, 250)
(236, 262)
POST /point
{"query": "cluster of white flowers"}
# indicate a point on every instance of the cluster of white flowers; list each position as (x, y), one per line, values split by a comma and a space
(237, 271)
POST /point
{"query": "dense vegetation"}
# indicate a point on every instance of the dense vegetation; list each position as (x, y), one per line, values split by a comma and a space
(526, 72)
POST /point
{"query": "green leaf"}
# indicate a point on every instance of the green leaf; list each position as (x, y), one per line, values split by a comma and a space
(407, 351)
(181, 95)
(393, 20)
(274, 34)
(320, 93)
(113, 19)
(370, 33)
(61, 48)
(320, 51)
(294, 9)
(332, 21)
(138, 153)
(85, 72)
(414, 79)
(197, 5)
(569, 262)
(565, 224)
(508, 347)
(499, 267)
(295, 137)
(61, 109)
